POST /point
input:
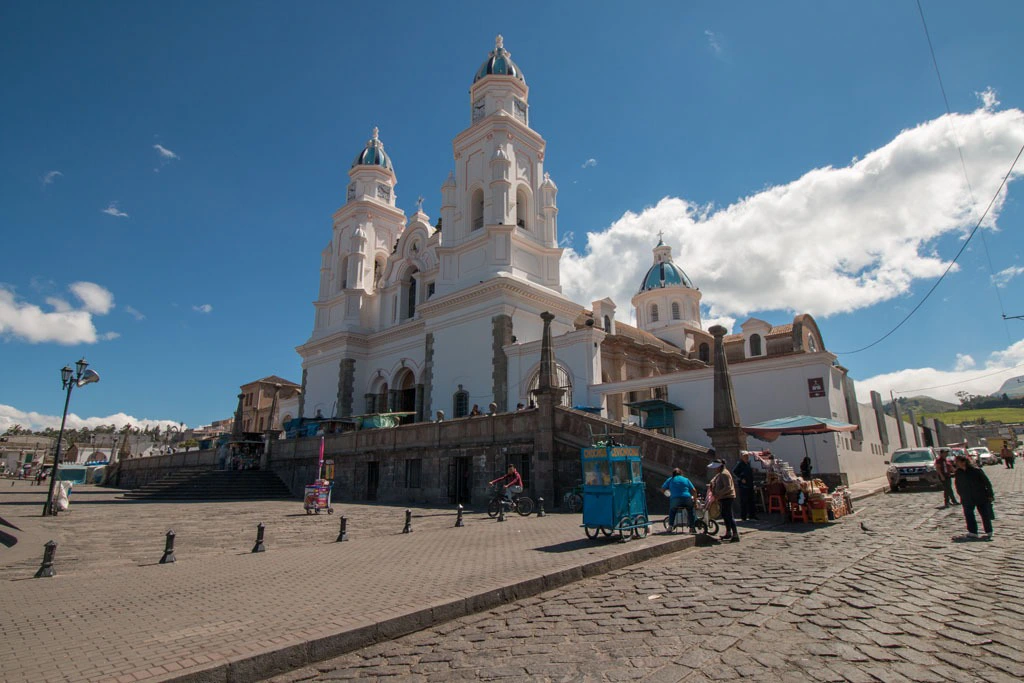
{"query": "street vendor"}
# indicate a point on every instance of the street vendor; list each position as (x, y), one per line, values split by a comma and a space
(681, 491)
(743, 473)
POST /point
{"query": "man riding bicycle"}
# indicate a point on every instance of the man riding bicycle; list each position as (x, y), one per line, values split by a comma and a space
(511, 482)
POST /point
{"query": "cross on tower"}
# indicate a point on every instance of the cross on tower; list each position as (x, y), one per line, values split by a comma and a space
(419, 204)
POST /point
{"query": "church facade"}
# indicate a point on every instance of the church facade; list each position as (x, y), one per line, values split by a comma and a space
(431, 317)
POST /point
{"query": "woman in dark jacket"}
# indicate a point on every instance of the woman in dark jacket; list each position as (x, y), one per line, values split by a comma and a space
(975, 491)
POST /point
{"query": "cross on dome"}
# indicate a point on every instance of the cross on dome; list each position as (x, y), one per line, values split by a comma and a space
(499, 42)
(376, 132)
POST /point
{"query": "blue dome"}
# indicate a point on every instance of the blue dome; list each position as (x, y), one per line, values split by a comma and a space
(373, 154)
(499, 63)
(665, 274)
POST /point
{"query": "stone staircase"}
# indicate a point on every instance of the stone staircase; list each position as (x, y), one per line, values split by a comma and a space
(204, 484)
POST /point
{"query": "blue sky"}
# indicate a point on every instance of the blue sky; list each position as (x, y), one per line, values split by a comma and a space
(183, 161)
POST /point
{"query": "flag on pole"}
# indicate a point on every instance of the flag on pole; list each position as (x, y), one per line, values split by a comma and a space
(320, 465)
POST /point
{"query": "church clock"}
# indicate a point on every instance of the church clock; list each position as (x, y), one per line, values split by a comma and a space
(383, 192)
(478, 109)
(520, 110)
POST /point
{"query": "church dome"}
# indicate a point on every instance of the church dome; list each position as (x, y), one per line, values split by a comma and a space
(499, 63)
(664, 273)
(373, 154)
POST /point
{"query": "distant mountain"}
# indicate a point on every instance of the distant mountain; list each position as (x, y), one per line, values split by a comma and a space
(1013, 387)
(921, 405)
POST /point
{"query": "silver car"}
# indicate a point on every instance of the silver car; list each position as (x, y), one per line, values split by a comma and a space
(913, 467)
(983, 456)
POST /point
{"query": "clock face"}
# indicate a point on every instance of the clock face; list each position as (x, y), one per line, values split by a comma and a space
(383, 191)
(478, 109)
(521, 110)
(351, 191)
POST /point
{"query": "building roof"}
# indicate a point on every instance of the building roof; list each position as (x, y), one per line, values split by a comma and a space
(373, 154)
(665, 274)
(499, 63)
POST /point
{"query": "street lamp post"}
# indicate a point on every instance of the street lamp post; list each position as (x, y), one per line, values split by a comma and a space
(78, 377)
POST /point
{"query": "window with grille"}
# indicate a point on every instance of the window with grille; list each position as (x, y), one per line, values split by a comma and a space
(562, 380)
(413, 472)
(675, 310)
(460, 403)
(654, 313)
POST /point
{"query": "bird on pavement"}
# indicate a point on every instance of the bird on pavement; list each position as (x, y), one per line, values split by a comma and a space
(865, 529)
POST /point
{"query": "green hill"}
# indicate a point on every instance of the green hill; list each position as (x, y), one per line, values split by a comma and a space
(953, 417)
(922, 405)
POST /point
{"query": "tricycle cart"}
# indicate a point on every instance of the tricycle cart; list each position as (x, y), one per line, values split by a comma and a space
(614, 500)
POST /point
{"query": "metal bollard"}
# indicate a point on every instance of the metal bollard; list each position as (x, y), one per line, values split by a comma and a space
(501, 511)
(540, 508)
(46, 569)
(343, 532)
(458, 518)
(168, 557)
(408, 522)
(258, 548)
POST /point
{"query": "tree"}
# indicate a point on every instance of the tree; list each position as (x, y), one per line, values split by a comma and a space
(14, 430)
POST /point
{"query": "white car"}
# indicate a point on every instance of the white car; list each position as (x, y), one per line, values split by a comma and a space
(983, 456)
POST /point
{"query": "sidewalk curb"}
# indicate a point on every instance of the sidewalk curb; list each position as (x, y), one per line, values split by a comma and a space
(267, 664)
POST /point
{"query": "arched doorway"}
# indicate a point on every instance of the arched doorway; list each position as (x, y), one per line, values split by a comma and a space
(405, 398)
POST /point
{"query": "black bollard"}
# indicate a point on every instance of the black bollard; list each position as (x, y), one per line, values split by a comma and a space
(46, 569)
(343, 532)
(258, 548)
(458, 518)
(501, 511)
(540, 508)
(168, 557)
(408, 522)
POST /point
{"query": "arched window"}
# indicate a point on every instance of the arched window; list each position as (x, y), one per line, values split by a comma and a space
(382, 398)
(343, 274)
(410, 307)
(460, 403)
(812, 346)
(654, 313)
(704, 353)
(607, 324)
(675, 310)
(755, 345)
(378, 273)
(477, 210)
(522, 209)
(562, 380)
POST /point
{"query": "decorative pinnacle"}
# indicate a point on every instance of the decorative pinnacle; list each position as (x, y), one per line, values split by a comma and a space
(375, 132)
(419, 204)
(499, 43)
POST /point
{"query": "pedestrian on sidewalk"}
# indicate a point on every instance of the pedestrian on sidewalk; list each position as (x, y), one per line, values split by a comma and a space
(945, 468)
(743, 474)
(723, 488)
(1008, 457)
(975, 491)
(681, 491)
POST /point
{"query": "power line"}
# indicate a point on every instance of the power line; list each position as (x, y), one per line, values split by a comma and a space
(948, 268)
(963, 381)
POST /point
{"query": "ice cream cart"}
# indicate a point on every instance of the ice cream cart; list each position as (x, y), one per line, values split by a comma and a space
(614, 499)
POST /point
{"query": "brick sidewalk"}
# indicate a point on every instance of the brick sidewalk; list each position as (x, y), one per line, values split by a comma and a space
(234, 616)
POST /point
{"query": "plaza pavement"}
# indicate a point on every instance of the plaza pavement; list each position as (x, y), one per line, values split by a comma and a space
(221, 613)
(894, 603)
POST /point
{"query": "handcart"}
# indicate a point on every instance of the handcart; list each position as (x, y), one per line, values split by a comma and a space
(614, 499)
(318, 497)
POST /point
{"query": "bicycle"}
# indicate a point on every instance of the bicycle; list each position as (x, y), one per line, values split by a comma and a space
(573, 499)
(703, 521)
(520, 503)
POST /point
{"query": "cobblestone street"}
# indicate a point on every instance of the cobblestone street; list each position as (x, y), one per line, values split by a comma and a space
(882, 596)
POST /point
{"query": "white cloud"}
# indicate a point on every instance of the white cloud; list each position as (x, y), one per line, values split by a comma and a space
(988, 98)
(714, 42)
(589, 163)
(944, 384)
(134, 313)
(10, 416)
(64, 324)
(96, 299)
(204, 308)
(112, 210)
(165, 153)
(834, 240)
(1003, 277)
(963, 362)
(51, 176)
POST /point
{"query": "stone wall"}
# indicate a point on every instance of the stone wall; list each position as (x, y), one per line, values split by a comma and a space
(134, 472)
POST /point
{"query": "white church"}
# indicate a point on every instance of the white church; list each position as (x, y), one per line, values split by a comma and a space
(429, 317)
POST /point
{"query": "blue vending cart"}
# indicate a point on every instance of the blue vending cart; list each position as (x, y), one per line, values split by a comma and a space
(614, 500)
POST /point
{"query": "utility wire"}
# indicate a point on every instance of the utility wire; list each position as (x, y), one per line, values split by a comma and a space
(948, 268)
(953, 384)
(967, 179)
(963, 166)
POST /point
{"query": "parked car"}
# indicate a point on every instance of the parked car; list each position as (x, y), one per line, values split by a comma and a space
(913, 467)
(983, 456)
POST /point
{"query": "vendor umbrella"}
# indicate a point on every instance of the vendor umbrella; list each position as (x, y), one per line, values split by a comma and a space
(797, 424)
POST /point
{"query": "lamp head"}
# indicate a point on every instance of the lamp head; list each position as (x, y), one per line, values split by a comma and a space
(80, 366)
(88, 377)
(65, 374)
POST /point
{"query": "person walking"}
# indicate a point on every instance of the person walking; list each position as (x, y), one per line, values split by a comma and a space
(805, 468)
(723, 488)
(1007, 455)
(681, 491)
(976, 493)
(945, 469)
(743, 474)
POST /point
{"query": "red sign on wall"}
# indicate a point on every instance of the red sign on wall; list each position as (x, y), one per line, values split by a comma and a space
(816, 387)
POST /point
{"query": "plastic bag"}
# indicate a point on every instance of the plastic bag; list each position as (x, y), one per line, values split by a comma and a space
(63, 501)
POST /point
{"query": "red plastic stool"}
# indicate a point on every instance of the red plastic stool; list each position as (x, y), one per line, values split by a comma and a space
(775, 504)
(798, 513)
